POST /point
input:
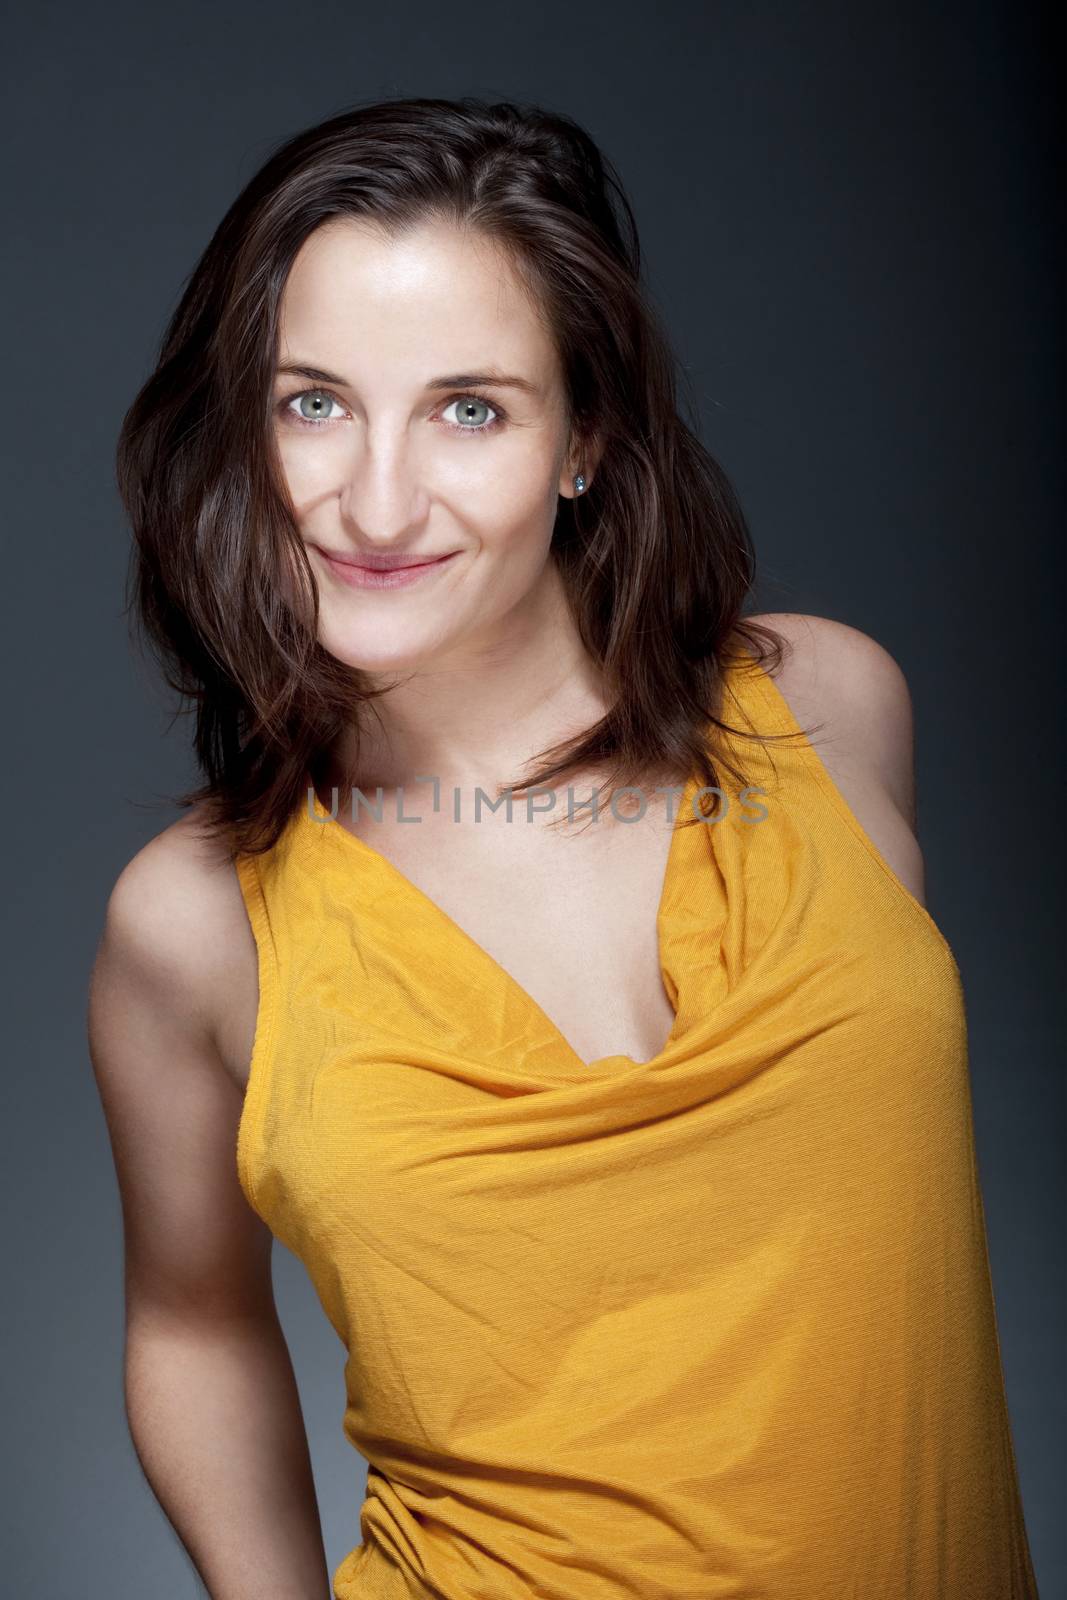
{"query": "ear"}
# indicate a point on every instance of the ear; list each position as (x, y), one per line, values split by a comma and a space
(583, 457)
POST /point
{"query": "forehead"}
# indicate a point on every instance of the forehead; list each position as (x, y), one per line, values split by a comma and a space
(434, 297)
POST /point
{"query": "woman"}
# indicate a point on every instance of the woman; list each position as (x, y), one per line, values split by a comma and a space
(627, 1142)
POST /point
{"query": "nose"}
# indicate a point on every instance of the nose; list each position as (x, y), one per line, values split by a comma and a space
(380, 498)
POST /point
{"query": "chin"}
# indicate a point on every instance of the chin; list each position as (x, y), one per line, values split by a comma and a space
(362, 656)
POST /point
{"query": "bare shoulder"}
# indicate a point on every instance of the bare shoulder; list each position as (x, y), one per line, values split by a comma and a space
(158, 1006)
(852, 692)
(851, 696)
(176, 915)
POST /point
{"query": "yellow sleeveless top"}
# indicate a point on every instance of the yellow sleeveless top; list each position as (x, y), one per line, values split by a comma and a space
(716, 1324)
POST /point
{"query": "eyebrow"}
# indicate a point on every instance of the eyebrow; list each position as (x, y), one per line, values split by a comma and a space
(489, 379)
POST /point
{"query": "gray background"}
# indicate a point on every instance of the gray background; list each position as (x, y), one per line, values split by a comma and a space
(852, 221)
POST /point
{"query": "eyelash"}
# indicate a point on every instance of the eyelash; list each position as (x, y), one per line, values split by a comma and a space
(497, 421)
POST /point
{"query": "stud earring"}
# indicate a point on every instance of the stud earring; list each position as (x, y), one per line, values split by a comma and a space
(579, 484)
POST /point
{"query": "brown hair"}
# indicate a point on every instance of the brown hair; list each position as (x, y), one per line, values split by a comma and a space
(656, 557)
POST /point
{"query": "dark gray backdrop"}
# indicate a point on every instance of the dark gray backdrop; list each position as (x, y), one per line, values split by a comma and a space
(852, 220)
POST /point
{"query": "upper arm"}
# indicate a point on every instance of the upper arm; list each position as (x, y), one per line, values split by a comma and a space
(852, 687)
(193, 1246)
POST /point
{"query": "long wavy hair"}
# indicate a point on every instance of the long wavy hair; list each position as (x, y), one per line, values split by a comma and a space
(656, 557)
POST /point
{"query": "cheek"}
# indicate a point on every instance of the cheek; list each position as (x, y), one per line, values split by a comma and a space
(512, 525)
(307, 466)
(513, 551)
(510, 470)
(505, 495)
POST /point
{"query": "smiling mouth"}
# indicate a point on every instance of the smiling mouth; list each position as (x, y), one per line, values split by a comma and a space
(383, 563)
(404, 573)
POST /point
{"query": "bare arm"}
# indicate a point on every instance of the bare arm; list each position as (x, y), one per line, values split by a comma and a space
(211, 1397)
(853, 690)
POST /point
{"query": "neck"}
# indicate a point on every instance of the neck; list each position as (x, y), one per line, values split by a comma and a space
(481, 714)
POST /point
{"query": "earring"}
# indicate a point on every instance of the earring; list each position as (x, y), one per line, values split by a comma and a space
(579, 484)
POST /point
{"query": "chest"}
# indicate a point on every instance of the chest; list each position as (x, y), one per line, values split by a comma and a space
(569, 912)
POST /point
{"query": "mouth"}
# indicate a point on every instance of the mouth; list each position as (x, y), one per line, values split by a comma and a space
(382, 571)
(384, 563)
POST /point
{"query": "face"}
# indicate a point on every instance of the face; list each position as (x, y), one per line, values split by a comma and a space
(399, 438)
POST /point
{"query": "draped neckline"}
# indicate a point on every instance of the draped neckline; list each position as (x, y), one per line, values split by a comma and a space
(315, 815)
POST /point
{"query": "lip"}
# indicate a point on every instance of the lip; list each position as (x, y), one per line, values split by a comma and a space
(389, 576)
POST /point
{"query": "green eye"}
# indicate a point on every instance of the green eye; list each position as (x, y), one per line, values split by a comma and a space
(319, 401)
(310, 409)
(469, 409)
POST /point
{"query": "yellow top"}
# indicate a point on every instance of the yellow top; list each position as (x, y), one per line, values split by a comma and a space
(716, 1324)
